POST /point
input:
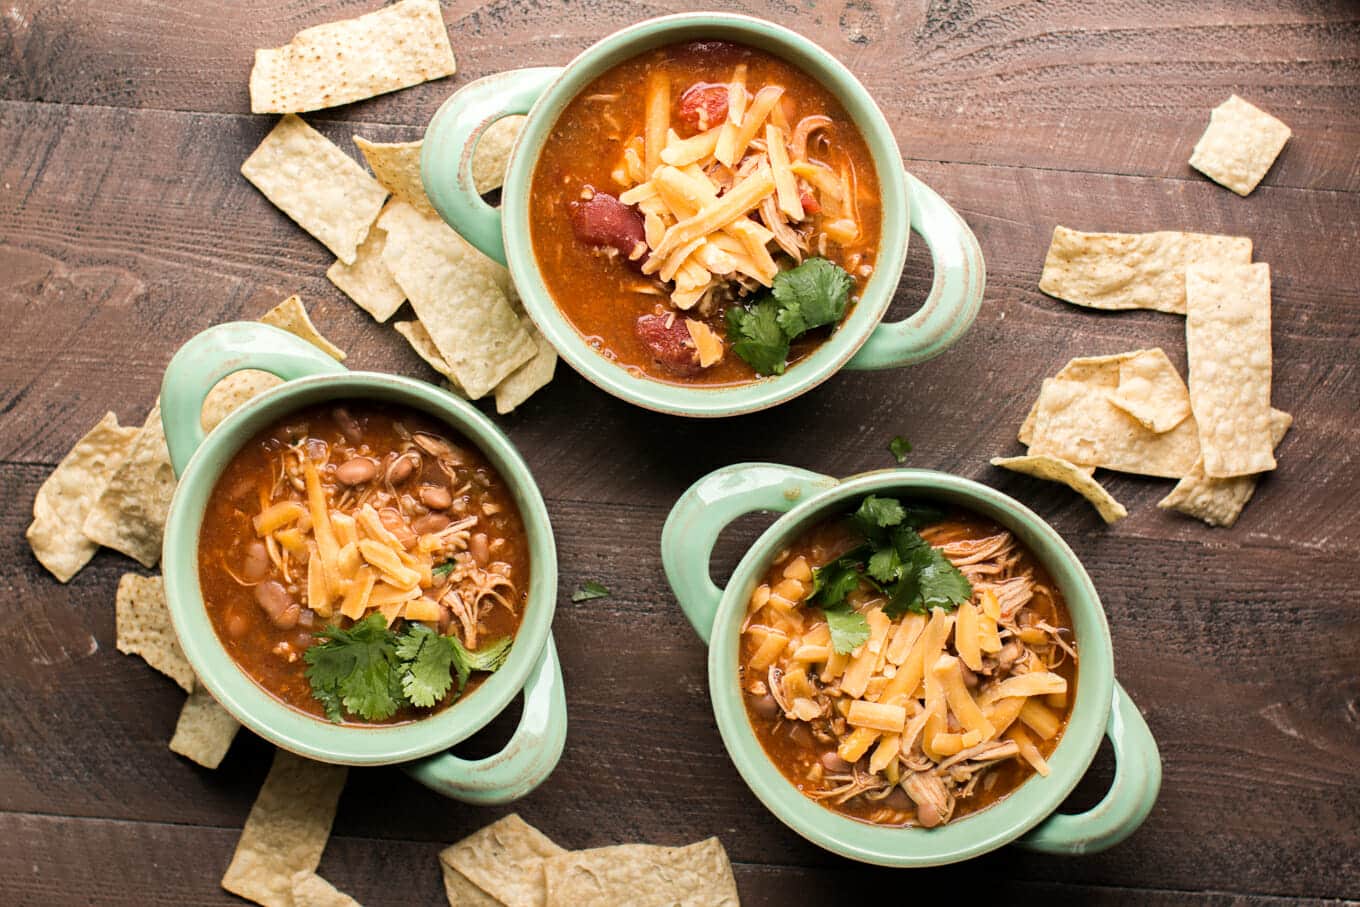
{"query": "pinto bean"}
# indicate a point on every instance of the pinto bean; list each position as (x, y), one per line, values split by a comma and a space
(832, 762)
(401, 468)
(898, 800)
(255, 565)
(480, 549)
(430, 522)
(348, 426)
(237, 625)
(278, 604)
(605, 222)
(356, 471)
(435, 497)
(766, 707)
(928, 815)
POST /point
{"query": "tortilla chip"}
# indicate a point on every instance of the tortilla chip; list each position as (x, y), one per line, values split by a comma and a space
(1219, 502)
(420, 341)
(695, 876)
(1227, 341)
(232, 392)
(1131, 270)
(143, 627)
(286, 830)
(336, 63)
(68, 495)
(505, 860)
(1077, 422)
(129, 515)
(528, 378)
(291, 316)
(1026, 434)
(396, 165)
(492, 154)
(1073, 476)
(320, 187)
(367, 281)
(457, 298)
(205, 730)
(461, 892)
(1151, 391)
(310, 890)
(1239, 146)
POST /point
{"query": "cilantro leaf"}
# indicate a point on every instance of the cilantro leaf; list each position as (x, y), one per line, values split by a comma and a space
(928, 581)
(589, 591)
(758, 338)
(832, 583)
(876, 514)
(899, 447)
(885, 565)
(427, 661)
(815, 293)
(354, 668)
(849, 629)
(443, 569)
(489, 657)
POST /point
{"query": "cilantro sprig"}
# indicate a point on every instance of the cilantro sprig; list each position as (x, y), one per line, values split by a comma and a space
(804, 298)
(371, 671)
(896, 562)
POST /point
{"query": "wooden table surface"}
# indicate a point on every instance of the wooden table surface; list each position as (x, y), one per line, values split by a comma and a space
(125, 229)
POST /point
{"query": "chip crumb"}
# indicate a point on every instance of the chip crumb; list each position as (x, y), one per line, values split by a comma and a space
(1239, 146)
(321, 188)
(1055, 469)
(67, 496)
(205, 730)
(349, 60)
(286, 830)
(143, 627)
(1227, 342)
(1131, 270)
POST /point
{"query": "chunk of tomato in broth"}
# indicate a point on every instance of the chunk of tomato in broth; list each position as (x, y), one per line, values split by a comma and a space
(593, 236)
(430, 492)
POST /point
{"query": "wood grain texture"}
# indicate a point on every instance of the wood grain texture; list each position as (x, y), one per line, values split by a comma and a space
(125, 229)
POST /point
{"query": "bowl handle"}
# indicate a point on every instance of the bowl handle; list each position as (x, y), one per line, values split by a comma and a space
(450, 139)
(525, 762)
(213, 355)
(955, 292)
(1137, 779)
(705, 509)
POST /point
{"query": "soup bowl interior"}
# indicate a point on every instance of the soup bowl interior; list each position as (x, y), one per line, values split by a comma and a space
(990, 827)
(259, 710)
(760, 392)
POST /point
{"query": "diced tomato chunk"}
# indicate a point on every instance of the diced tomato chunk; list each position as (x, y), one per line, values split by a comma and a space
(668, 339)
(703, 106)
(810, 203)
(605, 222)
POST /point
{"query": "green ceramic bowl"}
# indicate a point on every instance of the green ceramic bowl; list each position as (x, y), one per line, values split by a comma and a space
(861, 342)
(1101, 708)
(312, 377)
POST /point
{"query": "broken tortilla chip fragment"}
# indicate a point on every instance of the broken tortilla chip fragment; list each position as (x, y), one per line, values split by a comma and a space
(1131, 270)
(1073, 476)
(367, 281)
(698, 875)
(310, 890)
(396, 166)
(68, 495)
(205, 730)
(286, 830)
(336, 63)
(525, 381)
(1151, 391)
(1239, 146)
(460, 296)
(321, 188)
(143, 627)
(1227, 343)
(130, 513)
(505, 860)
(291, 316)
(1219, 502)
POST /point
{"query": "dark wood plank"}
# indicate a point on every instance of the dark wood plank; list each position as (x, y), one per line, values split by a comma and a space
(125, 229)
(54, 862)
(1111, 86)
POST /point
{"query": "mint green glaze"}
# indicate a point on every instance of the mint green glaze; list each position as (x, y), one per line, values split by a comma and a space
(955, 294)
(312, 378)
(1101, 706)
